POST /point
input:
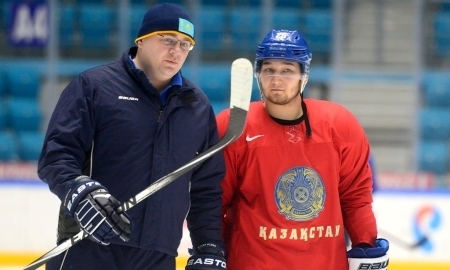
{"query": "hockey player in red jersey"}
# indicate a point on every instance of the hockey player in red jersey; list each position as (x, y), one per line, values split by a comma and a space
(298, 176)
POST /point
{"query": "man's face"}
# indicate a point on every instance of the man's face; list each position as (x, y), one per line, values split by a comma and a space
(280, 81)
(161, 55)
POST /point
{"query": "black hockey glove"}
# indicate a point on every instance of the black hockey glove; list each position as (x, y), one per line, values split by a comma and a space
(94, 210)
(206, 257)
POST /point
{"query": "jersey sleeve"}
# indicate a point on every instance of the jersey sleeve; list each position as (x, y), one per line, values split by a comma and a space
(355, 185)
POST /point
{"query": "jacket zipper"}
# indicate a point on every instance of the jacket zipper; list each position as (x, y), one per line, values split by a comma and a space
(159, 117)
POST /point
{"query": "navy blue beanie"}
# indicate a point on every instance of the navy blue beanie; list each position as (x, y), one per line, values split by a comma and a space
(166, 18)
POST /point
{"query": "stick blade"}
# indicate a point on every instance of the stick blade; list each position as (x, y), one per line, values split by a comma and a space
(241, 83)
(52, 253)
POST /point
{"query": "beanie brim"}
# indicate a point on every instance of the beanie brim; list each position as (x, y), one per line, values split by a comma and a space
(165, 32)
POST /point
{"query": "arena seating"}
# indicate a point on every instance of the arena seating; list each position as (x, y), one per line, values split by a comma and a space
(212, 21)
(442, 33)
(225, 26)
(433, 157)
(245, 24)
(318, 30)
(287, 18)
(8, 149)
(434, 124)
(136, 14)
(67, 25)
(436, 91)
(96, 26)
(30, 145)
(21, 136)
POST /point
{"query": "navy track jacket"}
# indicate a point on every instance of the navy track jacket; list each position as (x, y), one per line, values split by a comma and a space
(110, 124)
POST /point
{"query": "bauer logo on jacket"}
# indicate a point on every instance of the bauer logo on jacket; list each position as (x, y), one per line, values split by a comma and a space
(128, 98)
(300, 194)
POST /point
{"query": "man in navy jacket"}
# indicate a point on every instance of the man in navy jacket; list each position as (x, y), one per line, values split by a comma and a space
(118, 128)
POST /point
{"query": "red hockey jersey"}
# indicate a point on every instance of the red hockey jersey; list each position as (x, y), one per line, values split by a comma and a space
(287, 197)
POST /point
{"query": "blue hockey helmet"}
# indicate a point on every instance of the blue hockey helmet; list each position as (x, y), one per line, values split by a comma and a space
(287, 45)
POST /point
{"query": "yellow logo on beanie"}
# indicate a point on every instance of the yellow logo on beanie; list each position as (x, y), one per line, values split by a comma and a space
(186, 26)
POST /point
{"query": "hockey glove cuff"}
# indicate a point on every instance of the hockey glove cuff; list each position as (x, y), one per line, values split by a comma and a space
(207, 257)
(371, 257)
(81, 186)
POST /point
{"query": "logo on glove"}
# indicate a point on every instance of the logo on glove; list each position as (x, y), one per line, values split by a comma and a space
(207, 261)
(79, 191)
(370, 266)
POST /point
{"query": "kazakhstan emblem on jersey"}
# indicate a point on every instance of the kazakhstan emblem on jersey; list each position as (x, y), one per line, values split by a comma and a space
(299, 194)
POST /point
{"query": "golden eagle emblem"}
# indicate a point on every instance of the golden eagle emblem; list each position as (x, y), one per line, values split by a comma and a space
(300, 194)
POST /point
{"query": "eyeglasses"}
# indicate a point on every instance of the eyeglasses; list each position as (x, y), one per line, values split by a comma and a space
(172, 42)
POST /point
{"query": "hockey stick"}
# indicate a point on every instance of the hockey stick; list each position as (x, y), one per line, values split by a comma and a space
(402, 243)
(241, 89)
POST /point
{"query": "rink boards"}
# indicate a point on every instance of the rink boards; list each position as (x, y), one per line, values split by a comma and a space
(29, 218)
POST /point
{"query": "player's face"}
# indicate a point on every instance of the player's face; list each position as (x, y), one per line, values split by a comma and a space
(280, 81)
(159, 59)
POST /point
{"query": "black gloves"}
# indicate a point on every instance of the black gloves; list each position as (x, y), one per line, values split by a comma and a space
(207, 257)
(94, 210)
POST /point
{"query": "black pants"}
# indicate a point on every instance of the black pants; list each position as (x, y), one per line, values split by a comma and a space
(88, 255)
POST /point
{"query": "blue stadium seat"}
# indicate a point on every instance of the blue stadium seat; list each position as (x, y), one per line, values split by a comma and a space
(100, 2)
(139, 2)
(444, 6)
(6, 13)
(211, 21)
(67, 23)
(214, 80)
(96, 26)
(322, 4)
(318, 30)
(23, 81)
(248, 3)
(434, 124)
(24, 114)
(437, 91)
(442, 33)
(178, 2)
(30, 145)
(288, 3)
(2, 83)
(287, 18)
(8, 149)
(434, 157)
(221, 3)
(245, 25)
(3, 120)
